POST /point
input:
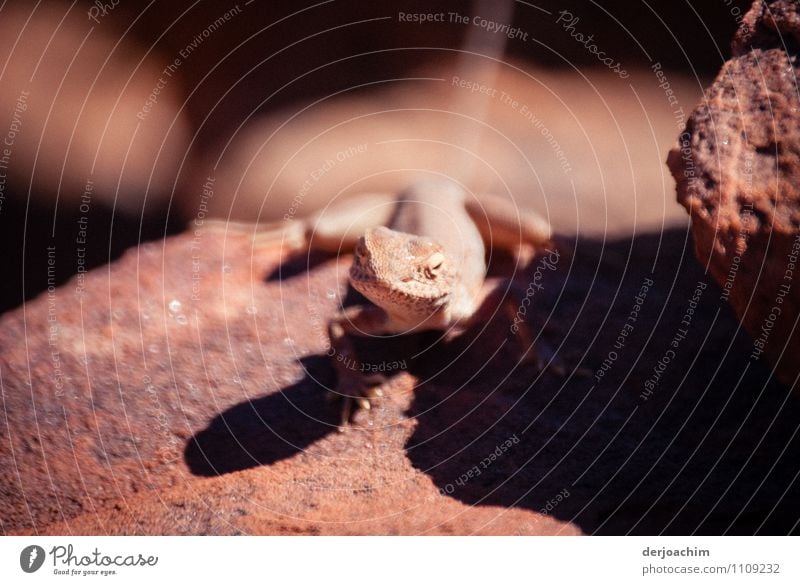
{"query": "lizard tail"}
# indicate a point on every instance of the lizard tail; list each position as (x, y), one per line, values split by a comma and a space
(288, 234)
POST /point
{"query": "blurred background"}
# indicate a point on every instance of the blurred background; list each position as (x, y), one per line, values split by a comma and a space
(124, 121)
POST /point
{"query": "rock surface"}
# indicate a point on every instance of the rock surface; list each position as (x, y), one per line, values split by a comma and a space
(181, 390)
(738, 172)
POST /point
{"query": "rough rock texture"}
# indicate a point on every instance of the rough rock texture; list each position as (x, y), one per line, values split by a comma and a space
(738, 173)
(181, 390)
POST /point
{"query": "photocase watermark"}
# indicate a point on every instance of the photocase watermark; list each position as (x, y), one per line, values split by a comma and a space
(665, 553)
(209, 30)
(69, 562)
(170, 70)
(553, 502)
(314, 176)
(95, 562)
(421, 17)
(197, 273)
(746, 215)
(15, 127)
(489, 25)
(8, 141)
(737, 15)
(524, 111)
(545, 510)
(730, 278)
(101, 9)
(483, 465)
(81, 237)
(565, 18)
(169, 448)
(163, 80)
(365, 367)
(680, 334)
(319, 326)
(783, 290)
(689, 169)
(569, 21)
(206, 193)
(31, 558)
(626, 330)
(539, 124)
(678, 114)
(474, 86)
(53, 328)
(546, 263)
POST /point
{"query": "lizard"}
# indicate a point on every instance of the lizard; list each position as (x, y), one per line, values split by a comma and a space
(419, 258)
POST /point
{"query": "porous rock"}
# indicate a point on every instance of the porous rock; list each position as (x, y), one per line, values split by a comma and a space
(182, 390)
(737, 167)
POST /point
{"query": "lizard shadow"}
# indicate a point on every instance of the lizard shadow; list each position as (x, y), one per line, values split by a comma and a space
(266, 429)
(298, 264)
(712, 448)
(281, 424)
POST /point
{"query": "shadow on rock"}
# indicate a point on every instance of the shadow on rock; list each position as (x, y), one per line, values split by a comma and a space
(675, 431)
(267, 429)
(672, 429)
(297, 265)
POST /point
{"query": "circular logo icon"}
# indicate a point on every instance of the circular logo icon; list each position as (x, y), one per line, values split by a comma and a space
(31, 558)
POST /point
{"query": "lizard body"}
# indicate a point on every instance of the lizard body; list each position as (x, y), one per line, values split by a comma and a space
(426, 268)
(419, 257)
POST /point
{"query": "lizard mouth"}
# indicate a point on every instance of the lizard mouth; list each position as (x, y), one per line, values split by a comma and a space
(364, 281)
(358, 273)
(401, 294)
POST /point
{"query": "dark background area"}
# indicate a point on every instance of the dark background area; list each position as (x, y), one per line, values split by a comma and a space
(230, 73)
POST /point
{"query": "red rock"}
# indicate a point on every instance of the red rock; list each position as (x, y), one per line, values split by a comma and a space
(99, 427)
(184, 393)
(738, 169)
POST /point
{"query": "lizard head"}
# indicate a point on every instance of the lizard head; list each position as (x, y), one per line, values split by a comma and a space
(396, 270)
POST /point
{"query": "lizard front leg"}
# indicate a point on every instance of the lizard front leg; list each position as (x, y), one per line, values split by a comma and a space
(514, 302)
(351, 385)
(504, 225)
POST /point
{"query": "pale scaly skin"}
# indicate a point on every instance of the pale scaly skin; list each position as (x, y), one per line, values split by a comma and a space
(419, 258)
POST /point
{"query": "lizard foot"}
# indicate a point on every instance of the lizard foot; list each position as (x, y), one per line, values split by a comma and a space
(539, 352)
(546, 358)
(358, 393)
